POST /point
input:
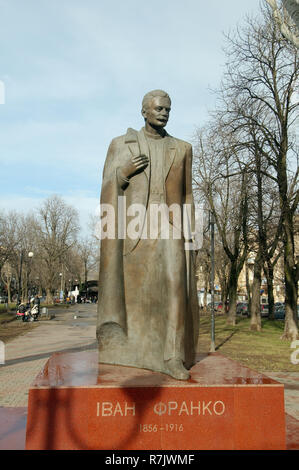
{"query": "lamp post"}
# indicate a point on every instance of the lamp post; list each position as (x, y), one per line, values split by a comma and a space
(212, 228)
(30, 255)
(20, 278)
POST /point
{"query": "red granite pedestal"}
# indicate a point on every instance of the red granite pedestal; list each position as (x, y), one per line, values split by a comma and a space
(76, 403)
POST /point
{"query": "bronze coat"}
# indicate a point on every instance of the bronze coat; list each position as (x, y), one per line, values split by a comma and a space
(112, 304)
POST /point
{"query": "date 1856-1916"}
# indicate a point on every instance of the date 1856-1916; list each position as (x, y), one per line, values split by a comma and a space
(165, 427)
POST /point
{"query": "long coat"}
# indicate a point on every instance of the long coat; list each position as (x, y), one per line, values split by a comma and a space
(141, 280)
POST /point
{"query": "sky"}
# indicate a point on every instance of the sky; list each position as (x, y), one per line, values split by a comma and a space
(72, 77)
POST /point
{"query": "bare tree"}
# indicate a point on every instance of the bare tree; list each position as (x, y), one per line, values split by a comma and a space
(262, 75)
(25, 244)
(266, 218)
(9, 236)
(224, 186)
(6, 276)
(87, 253)
(58, 227)
(222, 267)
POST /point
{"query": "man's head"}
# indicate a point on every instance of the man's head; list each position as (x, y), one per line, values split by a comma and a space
(156, 107)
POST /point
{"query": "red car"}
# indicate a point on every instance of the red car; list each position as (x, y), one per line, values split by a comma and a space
(217, 306)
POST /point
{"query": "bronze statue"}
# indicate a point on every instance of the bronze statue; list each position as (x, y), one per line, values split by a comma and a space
(148, 307)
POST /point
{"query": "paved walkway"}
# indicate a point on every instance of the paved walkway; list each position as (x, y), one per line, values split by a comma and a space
(291, 390)
(71, 330)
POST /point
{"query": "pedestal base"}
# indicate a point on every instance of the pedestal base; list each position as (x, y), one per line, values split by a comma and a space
(76, 403)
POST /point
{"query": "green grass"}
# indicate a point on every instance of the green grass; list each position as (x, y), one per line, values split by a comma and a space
(11, 307)
(11, 327)
(9, 331)
(7, 314)
(262, 351)
(6, 317)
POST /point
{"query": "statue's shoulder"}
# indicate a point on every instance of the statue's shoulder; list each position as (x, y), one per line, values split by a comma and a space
(182, 143)
(129, 136)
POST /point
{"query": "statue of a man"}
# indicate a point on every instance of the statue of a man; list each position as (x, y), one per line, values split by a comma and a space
(148, 307)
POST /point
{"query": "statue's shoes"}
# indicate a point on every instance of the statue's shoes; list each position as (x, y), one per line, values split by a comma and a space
(175, 368)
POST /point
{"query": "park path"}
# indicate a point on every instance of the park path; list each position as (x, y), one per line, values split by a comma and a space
(72, 329)
(291, 390)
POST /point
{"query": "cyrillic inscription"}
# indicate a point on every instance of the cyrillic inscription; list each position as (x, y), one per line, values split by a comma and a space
(171, 408)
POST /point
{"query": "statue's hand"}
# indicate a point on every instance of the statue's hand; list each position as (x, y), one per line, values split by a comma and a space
(135, 164)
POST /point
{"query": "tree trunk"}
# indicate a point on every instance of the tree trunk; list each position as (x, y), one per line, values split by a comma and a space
(269, 276)
(24, 288)
(271, 298)
(49, 296)
(8, 290)
(205, 297)
(224, 296)
(85, 275)
(248, 288)
(291, 320)
(255, 307)
(232, 293)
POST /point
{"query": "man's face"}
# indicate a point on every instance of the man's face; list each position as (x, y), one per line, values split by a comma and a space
(157, 113)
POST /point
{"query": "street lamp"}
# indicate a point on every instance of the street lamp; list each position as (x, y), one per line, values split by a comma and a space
(30, 255)
(212, 228)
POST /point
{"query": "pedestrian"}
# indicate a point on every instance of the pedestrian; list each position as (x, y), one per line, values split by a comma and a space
(36, 301)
